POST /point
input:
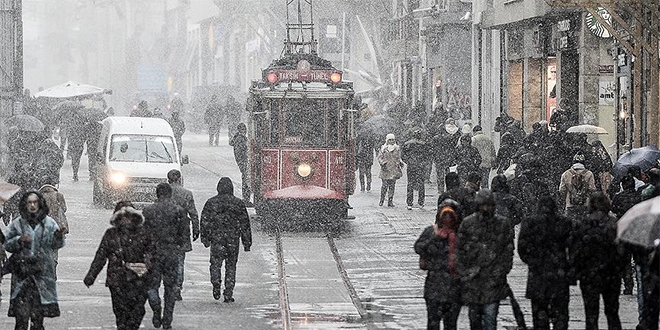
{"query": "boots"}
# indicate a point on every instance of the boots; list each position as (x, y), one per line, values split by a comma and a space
(217, 291)
(383, 191)
(389, 202)
(157, 320)
(368, 184)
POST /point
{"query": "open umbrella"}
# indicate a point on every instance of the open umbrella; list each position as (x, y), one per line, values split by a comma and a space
(645, 158)
(25, 123)
(378, 126)
(7, 190)
(641, 224)
(587, 129)
(71, 89)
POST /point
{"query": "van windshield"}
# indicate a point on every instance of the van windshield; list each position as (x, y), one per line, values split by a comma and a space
(142, 149)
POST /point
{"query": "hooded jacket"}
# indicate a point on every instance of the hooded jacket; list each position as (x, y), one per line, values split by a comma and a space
(122, 242)
(486, 149)
(565, 184)
(225, 219)
(56, 206)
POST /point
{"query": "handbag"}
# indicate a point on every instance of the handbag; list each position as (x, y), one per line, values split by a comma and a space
(136, 270)
(21, 264)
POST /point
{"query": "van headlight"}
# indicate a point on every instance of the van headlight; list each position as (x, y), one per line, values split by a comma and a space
(118, 178)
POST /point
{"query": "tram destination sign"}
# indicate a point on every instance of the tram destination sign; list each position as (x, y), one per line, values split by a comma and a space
(306, 76)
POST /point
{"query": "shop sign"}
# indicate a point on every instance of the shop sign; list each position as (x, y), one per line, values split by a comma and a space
(606, 92)
(606, 69)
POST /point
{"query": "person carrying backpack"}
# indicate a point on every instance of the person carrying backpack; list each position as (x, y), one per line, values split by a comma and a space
(576, 185)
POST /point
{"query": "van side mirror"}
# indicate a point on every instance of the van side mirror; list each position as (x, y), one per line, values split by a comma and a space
(185, 159)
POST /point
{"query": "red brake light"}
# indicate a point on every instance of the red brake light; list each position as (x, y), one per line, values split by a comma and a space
(335, 77)
(272, 78)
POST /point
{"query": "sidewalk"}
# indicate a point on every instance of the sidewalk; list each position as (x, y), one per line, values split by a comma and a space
(411, 222)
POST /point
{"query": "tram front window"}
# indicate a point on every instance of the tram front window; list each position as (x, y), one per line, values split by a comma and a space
(304, 122)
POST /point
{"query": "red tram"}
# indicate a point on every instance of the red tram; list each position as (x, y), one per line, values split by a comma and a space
(301, 131)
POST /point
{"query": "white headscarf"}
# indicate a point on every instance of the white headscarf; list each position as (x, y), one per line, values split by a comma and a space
(389, 147)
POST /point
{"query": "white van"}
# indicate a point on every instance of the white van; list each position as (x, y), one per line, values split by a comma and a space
(135, 154)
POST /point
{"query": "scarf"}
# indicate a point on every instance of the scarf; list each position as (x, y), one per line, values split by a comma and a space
(451, 128)
(447, 230)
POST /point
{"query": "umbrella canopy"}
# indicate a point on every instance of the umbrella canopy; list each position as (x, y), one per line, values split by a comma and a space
(588, 129)
(378, 126)
(79, 114)
(25, 123)
(645, 158)
(641, 224)
(71, 89)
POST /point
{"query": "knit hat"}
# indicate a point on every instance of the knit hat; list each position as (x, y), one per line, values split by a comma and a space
(390, 137)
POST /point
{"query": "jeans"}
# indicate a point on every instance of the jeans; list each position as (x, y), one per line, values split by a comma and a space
(229, 255)
(165, 270)
(484, 317)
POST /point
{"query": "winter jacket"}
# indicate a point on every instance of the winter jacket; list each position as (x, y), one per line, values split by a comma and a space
(184, 198)
(623, 201)
(240, 143)
(415, 153)
(565, 185)
(440, 284)
(364, 150)
(47, 162)
(505, 153)
(56, 206)
(122, 243)
(486, 150)
(444, 147)
(542, 245)
(167, 223)
(596, 256)
(468, 160)
(213, 116)
(44, 243)
(390, 163)
(484, 257)
(225, 219)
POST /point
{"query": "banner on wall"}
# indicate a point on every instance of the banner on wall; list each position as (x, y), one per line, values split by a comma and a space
(606, 91)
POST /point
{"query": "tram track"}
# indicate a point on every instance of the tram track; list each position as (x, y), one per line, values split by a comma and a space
(285, 303)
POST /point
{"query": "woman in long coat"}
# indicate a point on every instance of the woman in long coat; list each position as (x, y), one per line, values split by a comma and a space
(33, 235)
(390, 162)
(125, 242)
(437, 247)
(542, 245)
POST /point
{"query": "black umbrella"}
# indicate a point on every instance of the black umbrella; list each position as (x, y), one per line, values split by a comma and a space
(378, 126)
(645, 158)
(25, 123)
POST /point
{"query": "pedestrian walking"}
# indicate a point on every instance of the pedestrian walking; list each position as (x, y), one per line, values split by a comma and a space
(240, 143)
(32, 238)
(415, 153)
(233, 110)
(141, 110)
(364, 159)
(178, 128)
(389, 159)
(576, 185)
(213, 118)
(436, 247)
(443, 149)
(48, 160)
(484, 258)
(184, 198)
(224, 222)
(542, 245)
(602, 166)
(128, 250)
(505, 153)
(464, 195)
(486, 149)
(56, 210)
(621, 203)
(598, 262)
(508, 205)
(468, 158)
(166, 222)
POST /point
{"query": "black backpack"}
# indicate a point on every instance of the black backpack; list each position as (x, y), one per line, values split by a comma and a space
(579, 191)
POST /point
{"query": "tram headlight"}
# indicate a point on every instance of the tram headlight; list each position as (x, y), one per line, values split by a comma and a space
(272, 77)
(335, 78)
(304, 170)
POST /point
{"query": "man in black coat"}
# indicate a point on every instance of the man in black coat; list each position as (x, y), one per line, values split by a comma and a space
(166, 222)
(224, 222)
(444, 150)
(240, 143)
(414, 154)
(184, 198)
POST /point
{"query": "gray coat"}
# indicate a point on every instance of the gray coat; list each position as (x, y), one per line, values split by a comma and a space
(390, 163)
(184, 198)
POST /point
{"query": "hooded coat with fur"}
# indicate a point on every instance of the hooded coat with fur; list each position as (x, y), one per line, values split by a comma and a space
(122, 242)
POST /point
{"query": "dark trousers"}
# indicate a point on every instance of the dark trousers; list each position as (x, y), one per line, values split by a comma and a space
(165, 270)
(180, 270)
(591, 293)
(27, 308)
(364, 174)
(245, 181)
(387, 188)
(446, 312)
(415, 182)
(485, 175)
(650, 298)
(76, 154)
(229, 255)
(128, 305)
(553, 309)
(441, 171)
